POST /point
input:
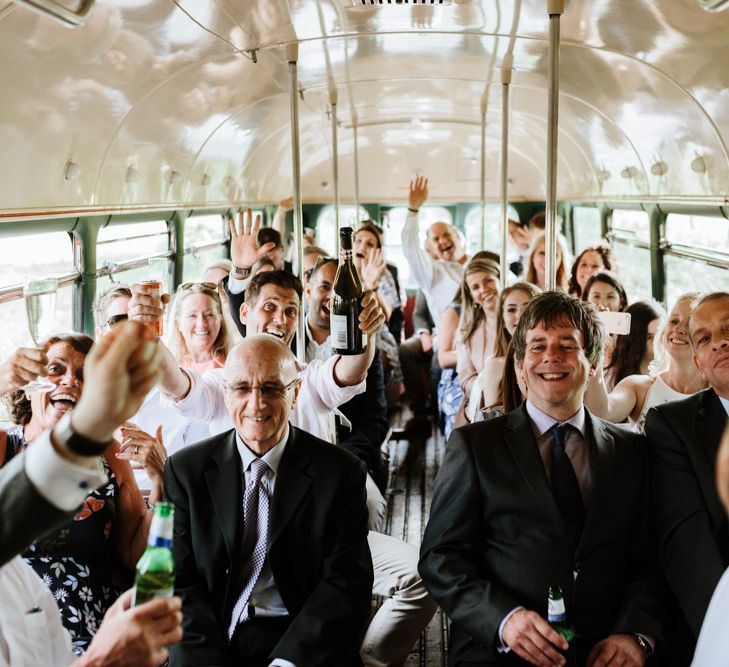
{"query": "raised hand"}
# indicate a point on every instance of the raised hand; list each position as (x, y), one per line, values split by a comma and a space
(372, 269)
(244, 250)
(418, 193)
(26, 364)
(119, 371)
(533, 639)
(287, 203)
(144, 307)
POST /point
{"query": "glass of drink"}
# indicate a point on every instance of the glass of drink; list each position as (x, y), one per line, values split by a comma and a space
(40, 308)
(158, 271)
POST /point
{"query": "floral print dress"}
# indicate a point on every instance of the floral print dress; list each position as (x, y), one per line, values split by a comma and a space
(77, 561)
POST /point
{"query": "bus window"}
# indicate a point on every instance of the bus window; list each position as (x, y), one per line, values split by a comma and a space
(492, 237)
(696, 255)
(33, 256)
(119, 243)
(205, 237)
(393, 229)
(326, 233)
(630, 236)
(586, 221)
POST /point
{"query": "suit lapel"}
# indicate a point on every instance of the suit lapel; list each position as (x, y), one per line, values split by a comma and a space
(520, 440)
(292, 484)
(709, 425)
(225, 484)
(602, 456)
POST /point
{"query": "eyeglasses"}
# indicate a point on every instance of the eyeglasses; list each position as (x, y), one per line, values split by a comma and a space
(270, 390)
(115, 319)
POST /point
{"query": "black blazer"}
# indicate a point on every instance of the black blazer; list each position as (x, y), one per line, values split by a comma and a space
(317, 549)
(690, 523)
(496, 539)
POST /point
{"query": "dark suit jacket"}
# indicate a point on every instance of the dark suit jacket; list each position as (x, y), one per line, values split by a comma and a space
(690, 522)
(368, 414)
(496, 539)
(317, 549)
(26, 515)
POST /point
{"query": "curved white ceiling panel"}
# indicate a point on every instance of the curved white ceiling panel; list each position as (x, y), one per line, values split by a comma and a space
(186, 103)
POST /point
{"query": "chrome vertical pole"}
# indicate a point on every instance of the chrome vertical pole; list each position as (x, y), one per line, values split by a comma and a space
(555, 9)
(505, 83)
(356, 163)
(335, 157)
(292, 55)
(484, 105)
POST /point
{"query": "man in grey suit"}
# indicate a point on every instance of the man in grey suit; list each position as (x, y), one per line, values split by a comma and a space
(545, 496)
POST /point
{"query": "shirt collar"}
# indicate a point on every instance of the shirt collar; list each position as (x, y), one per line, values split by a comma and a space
(542, 422)
(725, 403)
(272, 457)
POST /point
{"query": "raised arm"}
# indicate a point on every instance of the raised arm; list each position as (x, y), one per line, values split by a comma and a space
(624, 401)
(25, 365)
(422, 265)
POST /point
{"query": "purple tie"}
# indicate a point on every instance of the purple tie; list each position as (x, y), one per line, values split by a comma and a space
(255, 536)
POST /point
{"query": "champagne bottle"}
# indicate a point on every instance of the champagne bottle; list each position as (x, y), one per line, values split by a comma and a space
(557, 617)
(155, 577)
(347, 337)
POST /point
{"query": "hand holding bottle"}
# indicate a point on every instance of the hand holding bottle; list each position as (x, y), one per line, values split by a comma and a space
(533, 639)
(372, 317)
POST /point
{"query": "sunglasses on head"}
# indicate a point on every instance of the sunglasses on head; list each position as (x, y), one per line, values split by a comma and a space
(115, 319)
(211, 288)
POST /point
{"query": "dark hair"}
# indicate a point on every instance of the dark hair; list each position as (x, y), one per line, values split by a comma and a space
(488, 254)
(629, 350)
(609, 279)
(17, 402)
(558, 308)
(538, 220)
(269, 235)
(509, 390)
(372, 228)
(503, 337)
(282, 279)
(606, 255)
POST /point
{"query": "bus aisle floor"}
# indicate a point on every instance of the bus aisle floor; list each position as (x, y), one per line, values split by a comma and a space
(413, 467)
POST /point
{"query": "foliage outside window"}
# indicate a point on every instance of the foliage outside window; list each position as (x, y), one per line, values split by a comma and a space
(586, 225)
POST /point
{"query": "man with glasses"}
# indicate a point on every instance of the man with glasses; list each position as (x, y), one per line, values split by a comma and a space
(270, 544)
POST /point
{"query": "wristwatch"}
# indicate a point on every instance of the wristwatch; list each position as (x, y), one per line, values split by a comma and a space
(644, 644)
(241, 273)
(78, 444)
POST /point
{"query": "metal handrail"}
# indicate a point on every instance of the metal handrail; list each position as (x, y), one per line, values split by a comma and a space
(192, 249)
(15, 291)
(64, 15)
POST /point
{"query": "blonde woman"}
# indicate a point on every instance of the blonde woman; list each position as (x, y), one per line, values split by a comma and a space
(198, 335)
(537, 263)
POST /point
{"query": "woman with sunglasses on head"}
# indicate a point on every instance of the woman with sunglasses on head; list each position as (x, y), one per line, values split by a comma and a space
(79, 561)
(198, 335)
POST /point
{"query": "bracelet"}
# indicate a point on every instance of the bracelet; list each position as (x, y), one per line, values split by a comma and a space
(150, 506)
(413, 210)
(241, 273)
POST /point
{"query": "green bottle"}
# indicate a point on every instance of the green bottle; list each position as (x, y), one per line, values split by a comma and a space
(155, 576)
(557, 617)
(347, 337)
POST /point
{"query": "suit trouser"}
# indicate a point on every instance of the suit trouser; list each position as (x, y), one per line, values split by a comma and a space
(415, 364)
(254, 640)
(406, 610)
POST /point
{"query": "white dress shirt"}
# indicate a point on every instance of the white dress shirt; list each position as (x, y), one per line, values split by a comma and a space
(712, 648)
(438, 279)
(31, 632)
(60, 482)
(319, 395)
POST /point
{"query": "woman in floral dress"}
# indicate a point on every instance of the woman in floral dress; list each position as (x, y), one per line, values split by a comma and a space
(81, 563)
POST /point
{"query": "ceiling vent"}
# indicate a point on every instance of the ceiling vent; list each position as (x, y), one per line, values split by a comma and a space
(369, 3)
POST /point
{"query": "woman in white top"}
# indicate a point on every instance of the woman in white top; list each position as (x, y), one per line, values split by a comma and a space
(674, 378)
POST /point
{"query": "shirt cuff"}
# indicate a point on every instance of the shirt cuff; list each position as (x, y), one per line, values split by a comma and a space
(238, 285)
(60, 482)
(650, 640)
(502, 647)
(278, 662)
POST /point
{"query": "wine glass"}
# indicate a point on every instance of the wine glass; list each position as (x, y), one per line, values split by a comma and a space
(40, 307)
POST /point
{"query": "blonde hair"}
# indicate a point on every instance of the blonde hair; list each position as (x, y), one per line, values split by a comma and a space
(174, 339)
(471, 314)
(563, 268)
